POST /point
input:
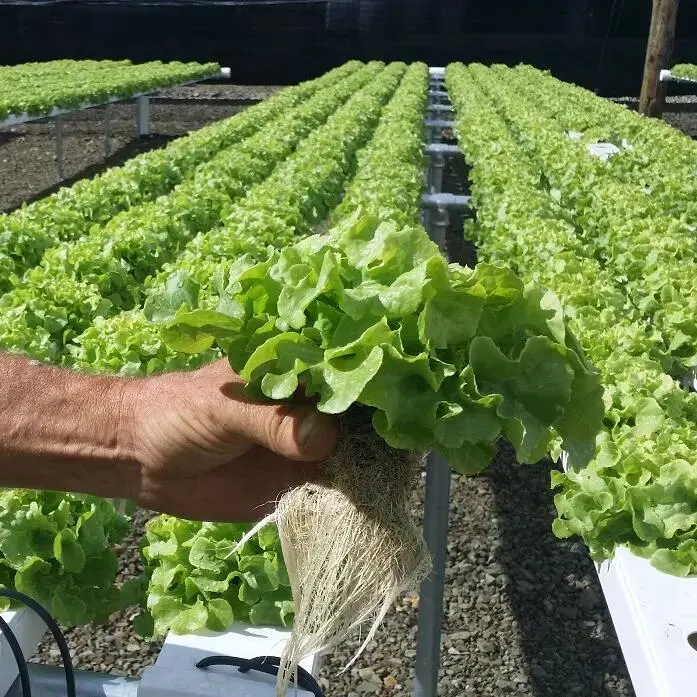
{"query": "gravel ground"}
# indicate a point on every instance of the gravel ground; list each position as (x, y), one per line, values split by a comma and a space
(215, 91)
(27, 152)
(524, 614)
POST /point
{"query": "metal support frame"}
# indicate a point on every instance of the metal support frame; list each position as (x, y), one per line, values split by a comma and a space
(58, 131)
(435, 109)
(436, 208)
(142, 116)
(436, 512)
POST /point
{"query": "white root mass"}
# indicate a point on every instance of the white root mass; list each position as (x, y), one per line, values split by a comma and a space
(349, 543)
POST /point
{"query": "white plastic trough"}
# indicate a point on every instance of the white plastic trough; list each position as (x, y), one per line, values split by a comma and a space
(175, 674)
(667, 76)
(655, 618)
(29, 629)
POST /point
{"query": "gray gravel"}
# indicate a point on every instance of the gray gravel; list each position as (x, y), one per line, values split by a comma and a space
(27, 152)
(220, 91)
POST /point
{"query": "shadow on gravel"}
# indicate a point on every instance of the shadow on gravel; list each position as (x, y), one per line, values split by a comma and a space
(566, 632)
(8, 136)
(207, 101)
(118, 157)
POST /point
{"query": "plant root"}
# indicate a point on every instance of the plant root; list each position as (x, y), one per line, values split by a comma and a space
(349, 542)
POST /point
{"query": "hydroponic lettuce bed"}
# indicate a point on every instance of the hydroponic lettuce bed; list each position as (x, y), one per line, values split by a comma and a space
(523, 610)
(524, 614)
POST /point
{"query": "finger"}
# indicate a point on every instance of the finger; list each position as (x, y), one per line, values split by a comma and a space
(295, 432)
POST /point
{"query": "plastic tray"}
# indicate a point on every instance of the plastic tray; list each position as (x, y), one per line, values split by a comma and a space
(655, 618)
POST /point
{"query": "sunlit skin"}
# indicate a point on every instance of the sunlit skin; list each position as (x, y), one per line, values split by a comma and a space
(189, 444)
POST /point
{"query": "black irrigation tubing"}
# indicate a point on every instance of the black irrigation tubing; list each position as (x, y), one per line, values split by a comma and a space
(264, 664)
(54, 629)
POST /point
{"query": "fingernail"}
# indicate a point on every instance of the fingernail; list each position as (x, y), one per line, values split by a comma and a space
(309, 428)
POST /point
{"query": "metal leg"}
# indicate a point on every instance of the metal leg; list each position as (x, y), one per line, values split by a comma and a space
(440, 219)
(429, 134)
(436, 511)
(142, 116)
(437, 500)
(426, 215)
(58, 132)
(106, 131)
(437, 167)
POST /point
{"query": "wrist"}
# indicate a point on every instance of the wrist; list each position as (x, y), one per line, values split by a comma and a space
(126, 398)
(63, 431)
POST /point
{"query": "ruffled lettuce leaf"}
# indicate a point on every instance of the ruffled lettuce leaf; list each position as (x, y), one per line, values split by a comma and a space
(450, 358)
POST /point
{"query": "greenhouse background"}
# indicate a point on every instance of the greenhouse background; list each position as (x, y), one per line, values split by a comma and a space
(597, 43)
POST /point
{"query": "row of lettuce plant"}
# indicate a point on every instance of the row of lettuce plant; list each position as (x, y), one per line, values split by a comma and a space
(685, 70)
(638, 491)
(652, 154)
(103, 273)
(71, 212)
(297, 194)
(39, 69)
(651, 253)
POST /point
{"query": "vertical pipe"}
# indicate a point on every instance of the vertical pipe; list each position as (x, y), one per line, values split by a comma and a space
(437, 166)
(142, 116)
(436, 510)
(431, 595)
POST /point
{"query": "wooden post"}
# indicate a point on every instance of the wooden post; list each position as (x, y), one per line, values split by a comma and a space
(659, 54)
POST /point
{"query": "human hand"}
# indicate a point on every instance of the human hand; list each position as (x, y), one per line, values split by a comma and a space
(205, 452)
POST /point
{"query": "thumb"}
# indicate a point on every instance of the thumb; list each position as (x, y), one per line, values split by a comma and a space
(296, 432)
